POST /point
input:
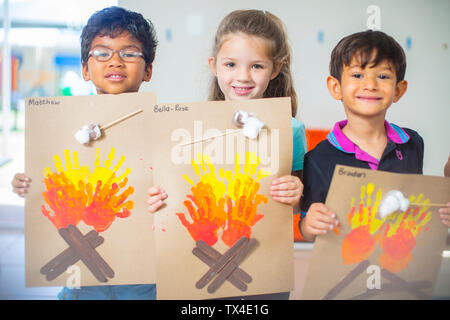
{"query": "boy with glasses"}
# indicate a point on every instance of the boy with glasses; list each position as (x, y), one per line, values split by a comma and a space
(117, 51)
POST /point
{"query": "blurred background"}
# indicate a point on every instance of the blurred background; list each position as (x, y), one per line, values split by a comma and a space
(40, 56)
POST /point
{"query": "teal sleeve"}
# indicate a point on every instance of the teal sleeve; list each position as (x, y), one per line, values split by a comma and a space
(299, 144)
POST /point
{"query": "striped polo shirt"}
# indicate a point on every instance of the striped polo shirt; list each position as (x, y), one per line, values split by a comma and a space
(340, 141)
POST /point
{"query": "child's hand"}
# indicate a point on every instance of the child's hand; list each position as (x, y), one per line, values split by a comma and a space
(156, 197)
(20, 184)
(287, 189)
(445, 214)
(318, 220)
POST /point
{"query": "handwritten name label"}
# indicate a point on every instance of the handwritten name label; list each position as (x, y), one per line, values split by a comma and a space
(43, 101)
(164, 108)
(352, 173)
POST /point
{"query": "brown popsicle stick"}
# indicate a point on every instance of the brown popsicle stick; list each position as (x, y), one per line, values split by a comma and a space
(233, 279)
(68, 257)
(215, 255)
(390, 288)
(231, 266)
(355, 272)
(67, 253)
(100, 262)
(399, 282)
(226, 257)
(83, 253)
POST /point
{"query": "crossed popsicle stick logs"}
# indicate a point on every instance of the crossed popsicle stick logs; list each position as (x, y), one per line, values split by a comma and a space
(396, 284)
(80, 247)
(224, 267)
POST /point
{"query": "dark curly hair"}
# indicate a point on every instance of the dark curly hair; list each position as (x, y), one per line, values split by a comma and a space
(362, 45)
(112, 21)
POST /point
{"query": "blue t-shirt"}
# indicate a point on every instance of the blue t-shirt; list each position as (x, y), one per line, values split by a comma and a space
(118, 292)
(299, 144)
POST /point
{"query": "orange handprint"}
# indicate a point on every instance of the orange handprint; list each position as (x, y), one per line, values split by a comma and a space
(72, 197)
(242, 216)
(400, 236)
(65, 200)
(211, 194)
(396, 233)
(207, 218)
(360, 242)
(105, 204)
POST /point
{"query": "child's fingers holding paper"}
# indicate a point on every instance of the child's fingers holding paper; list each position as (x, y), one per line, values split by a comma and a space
(445, 215)
(20, 184)
(156, 198)
(325, 217)
(286, 189)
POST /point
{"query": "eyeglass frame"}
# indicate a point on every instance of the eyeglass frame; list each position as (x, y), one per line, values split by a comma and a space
(120, 52)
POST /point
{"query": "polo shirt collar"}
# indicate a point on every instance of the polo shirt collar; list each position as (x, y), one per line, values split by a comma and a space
(340, 141)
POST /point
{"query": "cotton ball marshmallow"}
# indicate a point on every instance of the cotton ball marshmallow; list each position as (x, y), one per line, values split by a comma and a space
(393, 201)
(83, 135)
(252, 127)
(95, 131)
(250, 124)
(240, 118)
(88, 133)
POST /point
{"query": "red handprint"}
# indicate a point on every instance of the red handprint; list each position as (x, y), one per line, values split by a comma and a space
(207, 218)
(65, 200)
(105, 204)
(400, 238)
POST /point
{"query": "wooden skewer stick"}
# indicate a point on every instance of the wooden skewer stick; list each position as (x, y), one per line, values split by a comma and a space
(428, 204)
(106, 126)
(209, 138)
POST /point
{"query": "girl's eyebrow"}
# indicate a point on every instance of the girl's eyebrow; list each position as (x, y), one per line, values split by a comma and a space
(252, 62)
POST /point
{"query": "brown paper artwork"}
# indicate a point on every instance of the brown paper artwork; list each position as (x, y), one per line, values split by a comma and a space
(219, 222)
(82, 191)
(395, 257)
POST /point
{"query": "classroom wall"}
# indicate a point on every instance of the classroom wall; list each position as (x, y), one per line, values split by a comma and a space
(186, 29)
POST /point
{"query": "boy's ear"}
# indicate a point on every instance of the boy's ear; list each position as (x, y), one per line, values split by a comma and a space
(212, 65)
(148, 72)
(85, 71)
(334, 87)
(276, 70)
(400, 89)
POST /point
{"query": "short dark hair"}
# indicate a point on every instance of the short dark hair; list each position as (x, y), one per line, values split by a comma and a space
(112, 21)
(363, 45)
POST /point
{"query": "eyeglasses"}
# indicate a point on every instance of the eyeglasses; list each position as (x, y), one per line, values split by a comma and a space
(103, 54)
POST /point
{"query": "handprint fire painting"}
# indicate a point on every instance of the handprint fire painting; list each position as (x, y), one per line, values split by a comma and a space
(219, 232)
(96, 196)
(401, 251)
(396, 234)
(223, 205)
(224, 201)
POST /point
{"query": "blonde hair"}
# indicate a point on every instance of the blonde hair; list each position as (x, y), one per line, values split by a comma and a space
(267, 26)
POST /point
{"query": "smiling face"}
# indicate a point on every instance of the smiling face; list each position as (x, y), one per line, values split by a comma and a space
(115, 75)
(369, 91)
(243, 67)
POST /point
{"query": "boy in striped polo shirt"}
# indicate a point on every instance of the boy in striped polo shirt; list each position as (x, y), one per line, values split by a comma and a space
(367, 72)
